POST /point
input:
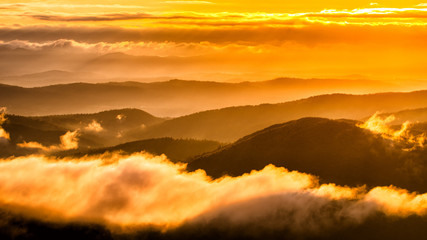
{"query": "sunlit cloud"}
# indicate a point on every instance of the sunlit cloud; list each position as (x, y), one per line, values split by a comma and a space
(361, 16)
(189, 2)
(68, 6)
(120, 117)
(381, 33)
(94, 126)
(142, 190)
(3, 134)
(381, 125)
(67, 141)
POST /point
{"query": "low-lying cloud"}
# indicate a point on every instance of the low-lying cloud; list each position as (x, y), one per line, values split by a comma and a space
(380, 125)
(3, 134)
(94, 126)
(68, 141)
(130, 192)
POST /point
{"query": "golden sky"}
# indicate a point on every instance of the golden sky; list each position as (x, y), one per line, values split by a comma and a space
(306, 38)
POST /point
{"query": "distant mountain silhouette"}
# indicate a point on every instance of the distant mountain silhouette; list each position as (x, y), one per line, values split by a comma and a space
(335, 150)
(230, 124)
(121, 119)
(50, 78)
(177, 150)
(170, 98)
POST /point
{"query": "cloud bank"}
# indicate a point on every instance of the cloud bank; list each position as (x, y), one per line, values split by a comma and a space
(137, 191)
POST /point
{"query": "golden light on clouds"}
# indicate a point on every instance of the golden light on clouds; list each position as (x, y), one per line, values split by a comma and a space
(381, 40)
(100, 55)
(3, 134)
(67, 141)
(381, 125)
(142, 190)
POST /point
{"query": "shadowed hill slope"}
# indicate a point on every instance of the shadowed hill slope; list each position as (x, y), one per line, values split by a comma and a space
(335, 150)
(94, 130)
(177, 150)
(111, 119)
(230, 124)
(169, 98)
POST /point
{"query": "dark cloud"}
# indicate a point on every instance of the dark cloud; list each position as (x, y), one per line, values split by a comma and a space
(108, 17)
(310, 35)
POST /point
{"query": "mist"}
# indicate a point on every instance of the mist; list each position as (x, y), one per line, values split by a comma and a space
(127, 193)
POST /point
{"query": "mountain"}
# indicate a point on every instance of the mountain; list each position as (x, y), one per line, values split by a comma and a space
(17, 60)
(169, 98)
(223, 125)
(121, 119)
(95, 130)
(335, 150)
(50, 78)
(177, 150)
(230, 124)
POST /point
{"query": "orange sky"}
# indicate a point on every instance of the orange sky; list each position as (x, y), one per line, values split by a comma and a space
(270, 38)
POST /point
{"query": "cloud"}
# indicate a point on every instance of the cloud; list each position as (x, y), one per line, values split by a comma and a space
(381, 126)
(372, 16)
(310, 35)
(108, 17)
(37, 46)
(3, 134)
(68, 6)
(163, 49)
(36, 145)
(67, 141)
(189, 2)
(94, 126)
(120, 117)
(369, 13)
(129, 192)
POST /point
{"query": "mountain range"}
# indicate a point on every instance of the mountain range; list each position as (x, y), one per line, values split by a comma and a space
(167, 98)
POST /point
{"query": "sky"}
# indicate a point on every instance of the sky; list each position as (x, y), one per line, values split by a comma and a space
(254, 39)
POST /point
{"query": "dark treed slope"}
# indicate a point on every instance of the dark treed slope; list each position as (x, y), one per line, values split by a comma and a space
(335, 150)
(170, 98)
(47, 130)
(122, 119)
(177, 150)
(229, 124)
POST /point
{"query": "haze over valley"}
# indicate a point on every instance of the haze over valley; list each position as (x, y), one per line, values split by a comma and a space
(213, 119)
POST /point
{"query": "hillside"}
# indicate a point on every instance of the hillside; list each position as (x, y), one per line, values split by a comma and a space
(335, 150)
(121, 119)
(177, 150)
(230, 124)
(94, 130)
(170, 98)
